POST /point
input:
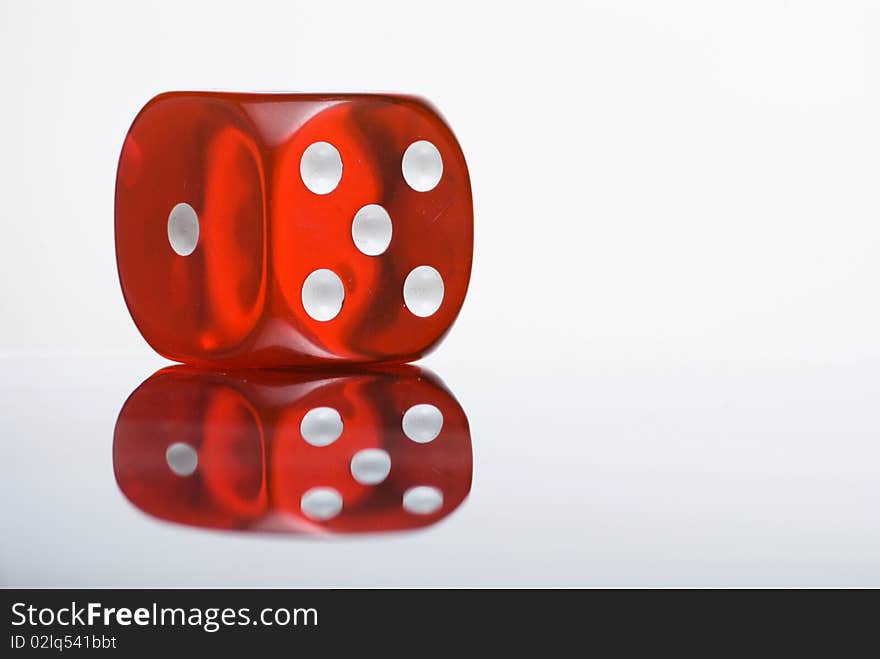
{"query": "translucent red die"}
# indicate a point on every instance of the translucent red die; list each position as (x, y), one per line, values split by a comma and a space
(294, 452)
(292, 229)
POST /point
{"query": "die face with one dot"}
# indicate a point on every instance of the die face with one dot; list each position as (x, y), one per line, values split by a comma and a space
(292, 229)
(294, 452)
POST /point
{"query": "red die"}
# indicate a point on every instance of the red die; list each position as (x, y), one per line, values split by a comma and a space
(292, 452)
(292, 229)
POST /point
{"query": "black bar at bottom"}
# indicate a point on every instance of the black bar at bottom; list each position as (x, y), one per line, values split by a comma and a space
(413, 622)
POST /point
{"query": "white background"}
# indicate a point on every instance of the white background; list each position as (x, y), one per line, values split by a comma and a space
(670, 349)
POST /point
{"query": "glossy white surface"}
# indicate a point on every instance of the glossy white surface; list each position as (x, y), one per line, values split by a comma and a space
(678, 469)
(670, 350)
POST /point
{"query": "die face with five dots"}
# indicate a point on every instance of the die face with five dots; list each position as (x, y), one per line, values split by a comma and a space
(294, 451)
(259, 230)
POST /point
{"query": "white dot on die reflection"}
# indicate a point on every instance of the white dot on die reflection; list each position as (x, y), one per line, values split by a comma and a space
(371, 229)
(321, 167)
(422, 500)
(321, 503)
(321, 426)
(322, 294)
(182, 459)
(423, 291)
(183, 229)
(370, 466)
(422, 423)
(422, 166)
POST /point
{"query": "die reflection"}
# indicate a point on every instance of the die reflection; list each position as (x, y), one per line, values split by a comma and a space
(292, 452)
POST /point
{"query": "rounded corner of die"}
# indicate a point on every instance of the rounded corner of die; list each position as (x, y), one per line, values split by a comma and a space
(155, 99)
(160, 97)
(424, 103)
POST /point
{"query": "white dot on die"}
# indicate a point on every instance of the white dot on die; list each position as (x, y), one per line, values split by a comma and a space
(422, 166)
(422, 423)
(183, 229)
(321, 167)
(322, 294)
(422, 500)
(370, 466)
(321, 503)
(321, 426)
(182, 459)
(423, 291)
(371, 229)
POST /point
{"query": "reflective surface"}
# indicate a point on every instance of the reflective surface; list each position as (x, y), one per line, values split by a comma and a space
(619, 472)
(293, 453)
(669, 355)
